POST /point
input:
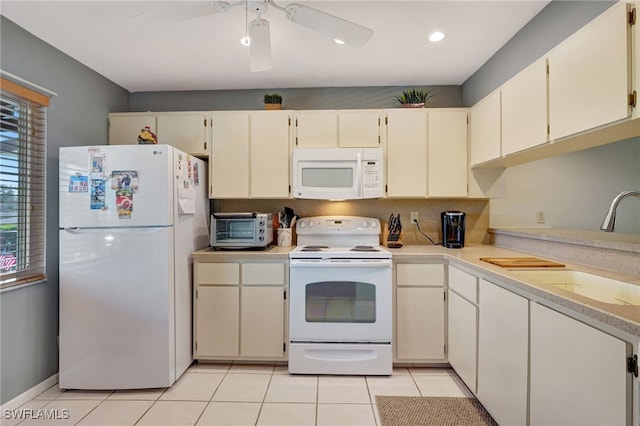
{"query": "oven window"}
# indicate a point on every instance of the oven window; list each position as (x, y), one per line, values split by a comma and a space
(330, 177)
(340, 302)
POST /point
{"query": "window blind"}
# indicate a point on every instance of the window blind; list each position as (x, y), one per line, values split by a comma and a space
(22, 185)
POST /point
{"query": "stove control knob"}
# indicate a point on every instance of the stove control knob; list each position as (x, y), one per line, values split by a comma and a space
(374, 224)
(311, 224)
(365, 224)
(302, 224)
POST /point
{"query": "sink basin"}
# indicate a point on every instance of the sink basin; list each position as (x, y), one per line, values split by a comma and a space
(585, 284)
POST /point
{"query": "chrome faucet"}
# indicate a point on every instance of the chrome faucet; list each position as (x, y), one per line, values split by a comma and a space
(609, 222)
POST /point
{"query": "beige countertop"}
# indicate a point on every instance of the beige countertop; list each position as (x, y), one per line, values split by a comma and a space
(620, 320)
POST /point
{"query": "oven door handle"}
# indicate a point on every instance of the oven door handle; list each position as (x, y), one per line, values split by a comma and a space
(298, 263)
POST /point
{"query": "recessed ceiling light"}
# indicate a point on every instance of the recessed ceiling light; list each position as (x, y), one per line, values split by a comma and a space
(436, 36)
(338, 41)
(245, 41)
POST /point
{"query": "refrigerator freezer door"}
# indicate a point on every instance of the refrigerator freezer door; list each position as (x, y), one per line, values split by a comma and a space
(117, 327)
(103, 168)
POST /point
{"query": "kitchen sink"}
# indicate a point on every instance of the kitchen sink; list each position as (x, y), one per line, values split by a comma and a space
(585, 284)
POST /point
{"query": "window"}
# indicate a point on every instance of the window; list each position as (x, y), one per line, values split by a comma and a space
(22, 184)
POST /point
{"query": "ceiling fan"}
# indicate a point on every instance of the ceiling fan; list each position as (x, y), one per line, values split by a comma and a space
(258, 30)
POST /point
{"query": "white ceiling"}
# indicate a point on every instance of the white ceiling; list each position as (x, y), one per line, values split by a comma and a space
(115, 39)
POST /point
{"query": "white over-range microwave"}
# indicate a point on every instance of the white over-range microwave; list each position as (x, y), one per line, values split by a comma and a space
(338, 173)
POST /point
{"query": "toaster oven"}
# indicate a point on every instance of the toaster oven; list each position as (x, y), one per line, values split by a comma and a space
(241, 230)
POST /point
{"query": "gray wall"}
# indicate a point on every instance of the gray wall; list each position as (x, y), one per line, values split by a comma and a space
(296, 99)
(554, 23)
(78, 116)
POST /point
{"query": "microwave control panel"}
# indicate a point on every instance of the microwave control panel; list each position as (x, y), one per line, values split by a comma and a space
(371, 178)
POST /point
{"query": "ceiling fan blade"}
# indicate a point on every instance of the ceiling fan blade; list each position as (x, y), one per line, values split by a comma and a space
(329, 25)
(182, 14)
(260, 45)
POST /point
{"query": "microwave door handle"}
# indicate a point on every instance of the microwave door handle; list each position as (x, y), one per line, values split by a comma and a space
(359, 174)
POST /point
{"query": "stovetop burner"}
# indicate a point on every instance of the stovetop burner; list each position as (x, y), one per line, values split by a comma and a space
(365, 248)
(314, 248)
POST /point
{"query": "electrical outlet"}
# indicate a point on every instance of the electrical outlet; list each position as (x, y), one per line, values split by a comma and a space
(414, 217)
(540, 217)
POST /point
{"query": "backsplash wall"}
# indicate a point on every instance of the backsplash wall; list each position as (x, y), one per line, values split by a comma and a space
(477, 213)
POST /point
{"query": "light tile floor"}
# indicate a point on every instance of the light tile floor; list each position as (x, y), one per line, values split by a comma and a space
(233, 395)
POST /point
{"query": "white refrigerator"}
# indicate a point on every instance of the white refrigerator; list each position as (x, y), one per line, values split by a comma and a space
(130, 217)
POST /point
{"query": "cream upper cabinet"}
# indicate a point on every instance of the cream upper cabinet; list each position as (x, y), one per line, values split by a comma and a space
(503, 351)
(426, 152)
(420, 317)
(316, 129)
(186, 131)
(447, 156)
(485, 129)
(578, 374)
(250, 154)
(125, 127)
(270, 154)
(524, 109)
(359, 128)
(229, 158)
(406, 152)
(589, 75)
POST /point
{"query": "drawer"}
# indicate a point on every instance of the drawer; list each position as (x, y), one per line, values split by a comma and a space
(263, 273)
(419, 274)
(217, 273)
(464, 284)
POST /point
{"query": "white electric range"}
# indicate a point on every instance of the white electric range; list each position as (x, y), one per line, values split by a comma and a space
(340, 306)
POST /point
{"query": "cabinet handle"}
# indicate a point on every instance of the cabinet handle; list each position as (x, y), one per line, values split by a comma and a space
(632, 99)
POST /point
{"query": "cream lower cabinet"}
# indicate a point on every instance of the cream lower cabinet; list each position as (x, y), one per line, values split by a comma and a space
(249, 155)
(420, 313)
(463, 325)
(240, 310)
(578, 373)
(503, 350)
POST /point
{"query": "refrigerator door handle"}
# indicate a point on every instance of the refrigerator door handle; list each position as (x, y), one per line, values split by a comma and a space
(141, 230)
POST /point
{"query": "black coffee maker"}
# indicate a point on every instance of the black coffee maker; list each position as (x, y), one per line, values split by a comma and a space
(453, 223)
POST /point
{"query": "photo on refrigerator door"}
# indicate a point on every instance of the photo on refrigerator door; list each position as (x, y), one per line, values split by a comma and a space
(125, 179)
(124, 203)
(97, 194)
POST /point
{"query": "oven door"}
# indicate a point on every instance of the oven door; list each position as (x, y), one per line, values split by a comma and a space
(340, 300)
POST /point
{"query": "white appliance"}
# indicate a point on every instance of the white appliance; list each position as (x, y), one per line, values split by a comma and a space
(338, 173)
(340, 304)
(130, 217)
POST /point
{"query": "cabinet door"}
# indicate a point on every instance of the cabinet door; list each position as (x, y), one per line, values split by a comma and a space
(124, 128)
(589, 75)
(578, 374)
(484, 119)
(420, 323)
(406, 153)
(270, 161)
(262, 322)
(359, 128)
(463, 335)
(316, 129)
(524, 109)
(187, 132)
(447, 153)
(229, 159)
(502, 354)
(216, 321)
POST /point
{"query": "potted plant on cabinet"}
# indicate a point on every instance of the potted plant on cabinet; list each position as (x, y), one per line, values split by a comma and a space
(414, 98)
(272, 101)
